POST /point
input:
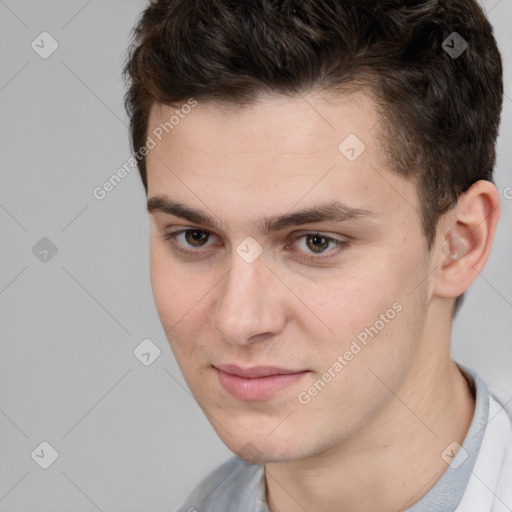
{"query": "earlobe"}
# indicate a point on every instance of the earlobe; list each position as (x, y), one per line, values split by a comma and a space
(465, 239)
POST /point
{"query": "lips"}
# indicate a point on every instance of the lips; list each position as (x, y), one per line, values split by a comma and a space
(254, 372)
(257, 382)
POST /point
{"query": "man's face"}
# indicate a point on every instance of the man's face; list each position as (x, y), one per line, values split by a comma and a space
(340, 302)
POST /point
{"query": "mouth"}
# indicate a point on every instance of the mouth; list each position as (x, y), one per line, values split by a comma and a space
(257, 382)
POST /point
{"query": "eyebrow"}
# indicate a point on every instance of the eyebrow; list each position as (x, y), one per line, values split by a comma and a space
(333, 211)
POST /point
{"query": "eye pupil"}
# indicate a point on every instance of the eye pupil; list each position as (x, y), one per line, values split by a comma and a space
(315, 240)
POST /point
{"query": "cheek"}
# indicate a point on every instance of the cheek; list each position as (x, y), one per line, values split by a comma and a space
(365, 300)
(163, 285)
(181, 299)
(346, 299)
(174, 292)
(366, 351)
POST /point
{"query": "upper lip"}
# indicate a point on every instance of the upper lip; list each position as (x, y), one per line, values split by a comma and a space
(255, 371)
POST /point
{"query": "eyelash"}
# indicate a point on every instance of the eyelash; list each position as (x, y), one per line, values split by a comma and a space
(178, 248)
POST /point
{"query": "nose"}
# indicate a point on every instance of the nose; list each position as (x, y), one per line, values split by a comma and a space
(248, 306)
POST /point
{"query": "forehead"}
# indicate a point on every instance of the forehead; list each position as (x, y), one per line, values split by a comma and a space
(273, 154)
(277, 123)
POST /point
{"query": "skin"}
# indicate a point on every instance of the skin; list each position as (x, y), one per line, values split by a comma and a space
(372, 438)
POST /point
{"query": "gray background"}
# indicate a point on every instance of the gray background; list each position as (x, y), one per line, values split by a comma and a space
(129, 437)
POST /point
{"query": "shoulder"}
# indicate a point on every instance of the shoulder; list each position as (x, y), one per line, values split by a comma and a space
(227, 488)
(502, 419)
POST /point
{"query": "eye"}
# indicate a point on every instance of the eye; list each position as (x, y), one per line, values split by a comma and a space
(317, 244)
(194, 237)
(188, 241)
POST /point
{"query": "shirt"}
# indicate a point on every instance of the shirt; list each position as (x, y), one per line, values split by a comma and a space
(477, 479)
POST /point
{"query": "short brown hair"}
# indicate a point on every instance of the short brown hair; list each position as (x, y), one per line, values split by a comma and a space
(441, 112)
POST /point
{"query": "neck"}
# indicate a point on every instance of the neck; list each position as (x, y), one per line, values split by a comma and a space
(394, 461)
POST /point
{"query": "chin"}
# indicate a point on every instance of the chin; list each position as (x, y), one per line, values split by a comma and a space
(252, 454)
(254, 450)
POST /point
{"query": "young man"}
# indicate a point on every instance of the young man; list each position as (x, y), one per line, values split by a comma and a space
(319, 182)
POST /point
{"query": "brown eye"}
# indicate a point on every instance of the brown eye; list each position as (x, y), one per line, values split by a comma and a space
(317, 243)
(196, 238)
(315, 247)
(190, 244)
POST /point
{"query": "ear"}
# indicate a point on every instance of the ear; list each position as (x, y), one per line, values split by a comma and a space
(464, 239)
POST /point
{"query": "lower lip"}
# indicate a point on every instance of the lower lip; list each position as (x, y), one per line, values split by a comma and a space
(256, 389)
